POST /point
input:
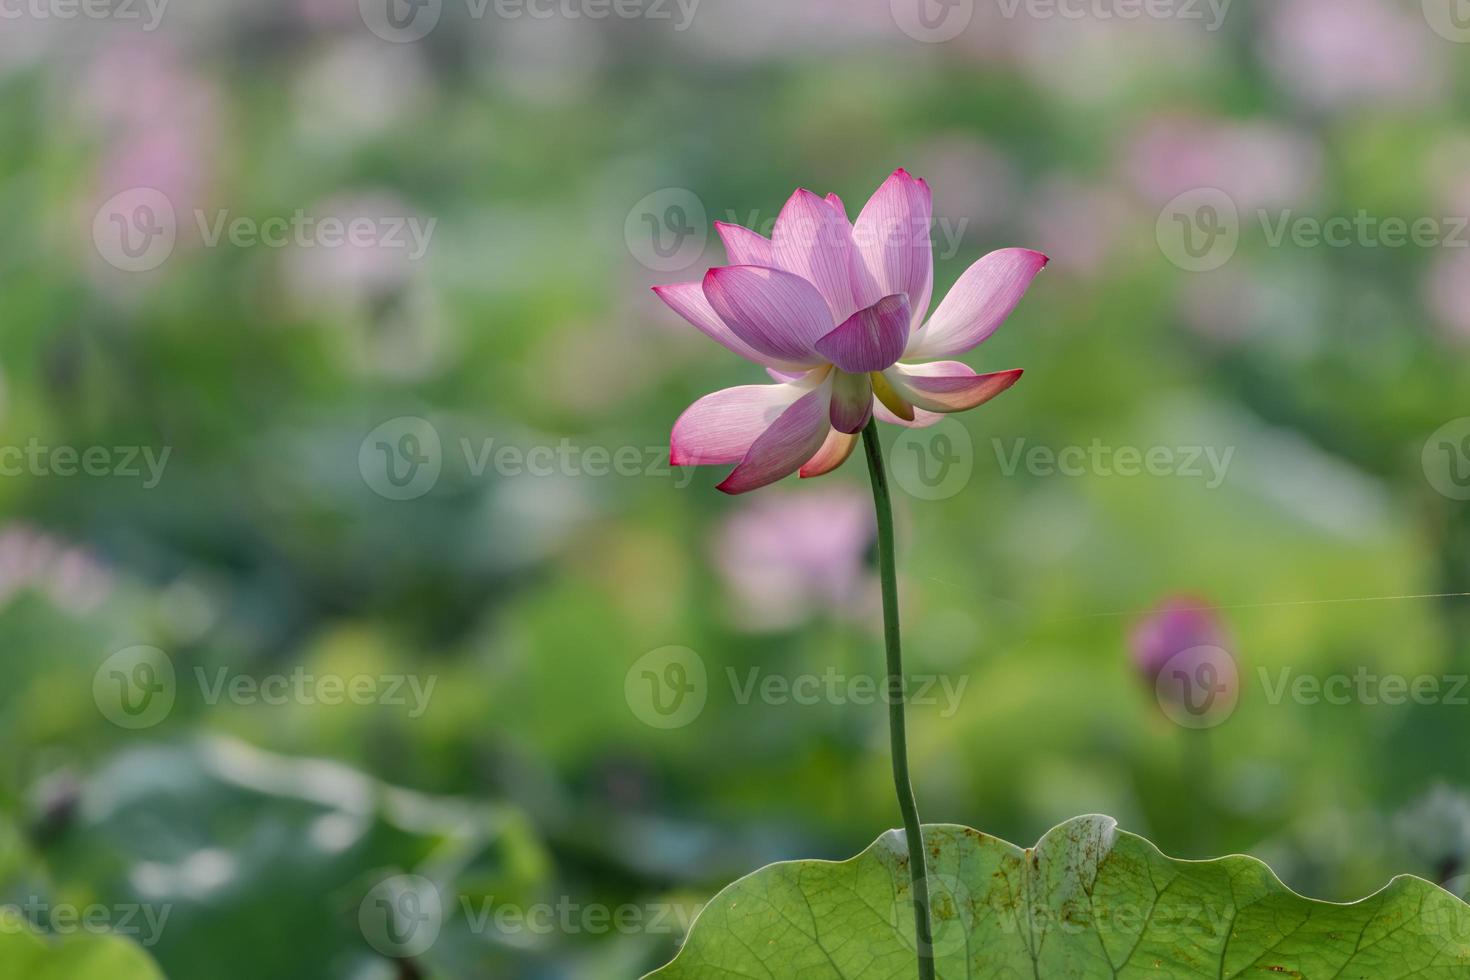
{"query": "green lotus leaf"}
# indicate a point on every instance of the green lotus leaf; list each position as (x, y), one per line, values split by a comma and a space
(1089, 901)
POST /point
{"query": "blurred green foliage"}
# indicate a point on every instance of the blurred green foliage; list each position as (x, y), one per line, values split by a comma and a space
(530, 780)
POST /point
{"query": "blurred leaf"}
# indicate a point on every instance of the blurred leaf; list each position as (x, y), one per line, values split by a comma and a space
(267, 859)
(1088, 901)
(79, 957)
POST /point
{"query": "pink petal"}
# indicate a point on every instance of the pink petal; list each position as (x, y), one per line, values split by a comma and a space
(720, 427)
(870, 339)
(687, 300)
(776, 313)
(979, 303)
(893, 241)
(834, 452)
(812, 240)
(852, 401)
(745, 247)
(837, 205)
(790, 441)
(947, 386)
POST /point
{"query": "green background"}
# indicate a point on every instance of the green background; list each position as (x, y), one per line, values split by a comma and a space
(538, 146)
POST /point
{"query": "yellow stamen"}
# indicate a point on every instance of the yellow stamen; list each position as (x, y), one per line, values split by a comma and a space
(890, 398)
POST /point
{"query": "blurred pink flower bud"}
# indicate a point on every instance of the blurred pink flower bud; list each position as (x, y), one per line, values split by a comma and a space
(786, 557)
(1176, 624)
(1182, 649)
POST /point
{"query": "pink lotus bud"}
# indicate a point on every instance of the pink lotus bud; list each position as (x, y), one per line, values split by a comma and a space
(1182, 649)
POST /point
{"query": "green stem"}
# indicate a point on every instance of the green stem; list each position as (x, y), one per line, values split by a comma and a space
(897, 695)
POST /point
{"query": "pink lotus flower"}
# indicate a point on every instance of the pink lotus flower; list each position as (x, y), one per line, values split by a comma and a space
(834, 310)
(1178, 624)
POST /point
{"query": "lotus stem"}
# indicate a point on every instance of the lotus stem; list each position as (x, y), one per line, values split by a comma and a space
(897, 698)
